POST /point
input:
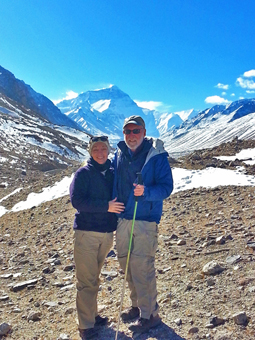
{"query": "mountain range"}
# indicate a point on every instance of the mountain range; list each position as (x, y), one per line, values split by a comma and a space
(103, 112)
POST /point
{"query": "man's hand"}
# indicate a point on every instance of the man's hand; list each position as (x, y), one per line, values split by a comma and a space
(116, 207)
(139, 189)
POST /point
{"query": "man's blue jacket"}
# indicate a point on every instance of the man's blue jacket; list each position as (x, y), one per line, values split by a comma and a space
(152, 162)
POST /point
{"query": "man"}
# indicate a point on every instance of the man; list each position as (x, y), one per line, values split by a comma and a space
(138, 153)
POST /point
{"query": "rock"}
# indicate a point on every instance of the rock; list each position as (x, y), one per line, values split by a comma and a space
(240, 318)
(251, 289)
(21, 285)
(193, 330)
(46, 270)
(111, 253)
(173, 237)
(212, 268)
(68, 287)
(51, 304)
(63, 337)
(210, 282)
(4, 298)
(233, 259)
(69, 268)
(181, 242)
(58, 284)
(69, 310)
(34, 316)
(251, 245)
(109, 273)
(6, 276)
(178, 322)
(220, 240)
(16, 310)
(4, 328)
(216, 321)
(57, 262)
(188, 287)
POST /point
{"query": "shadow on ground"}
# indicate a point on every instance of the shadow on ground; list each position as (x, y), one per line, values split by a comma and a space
(163, 332)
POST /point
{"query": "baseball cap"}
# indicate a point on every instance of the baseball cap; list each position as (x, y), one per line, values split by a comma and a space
(137, 120)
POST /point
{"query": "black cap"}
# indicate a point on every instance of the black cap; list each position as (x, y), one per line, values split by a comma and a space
(137, 120)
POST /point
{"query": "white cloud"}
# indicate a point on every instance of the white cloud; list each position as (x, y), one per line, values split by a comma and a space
(223, 93)
(151, 105)
(69, 95)
(245, 83)
(222, 86)
(249, 91)
(249, 74)
(232, 95)
(104, 87)
(216, 100)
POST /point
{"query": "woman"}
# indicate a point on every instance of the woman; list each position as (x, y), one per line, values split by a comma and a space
(94, 223)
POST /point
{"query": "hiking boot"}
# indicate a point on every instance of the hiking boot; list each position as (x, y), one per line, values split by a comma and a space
(130, 314)
(100, 321)
(89, 333)
(144, 325)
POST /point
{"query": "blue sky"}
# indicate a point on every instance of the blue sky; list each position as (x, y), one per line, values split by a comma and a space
(172, 55)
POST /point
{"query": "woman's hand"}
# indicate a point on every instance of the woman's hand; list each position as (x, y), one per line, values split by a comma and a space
(116, 207)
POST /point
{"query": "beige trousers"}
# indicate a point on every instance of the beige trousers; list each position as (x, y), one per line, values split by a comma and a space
(141, 270)
(90, 251)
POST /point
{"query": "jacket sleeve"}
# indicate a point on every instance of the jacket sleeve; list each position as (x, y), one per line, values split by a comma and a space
(80, 198)
(163, 180)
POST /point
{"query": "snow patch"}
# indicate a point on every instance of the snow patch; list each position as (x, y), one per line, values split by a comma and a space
(101, 105)
(247, 156)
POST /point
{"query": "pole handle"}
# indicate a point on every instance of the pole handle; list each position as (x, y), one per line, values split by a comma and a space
(139, 178)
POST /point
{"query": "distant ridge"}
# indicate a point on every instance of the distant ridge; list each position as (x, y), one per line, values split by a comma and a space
(24, 95)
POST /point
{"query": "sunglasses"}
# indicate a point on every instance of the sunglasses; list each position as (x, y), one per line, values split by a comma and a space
(99, 139)
(135, 131)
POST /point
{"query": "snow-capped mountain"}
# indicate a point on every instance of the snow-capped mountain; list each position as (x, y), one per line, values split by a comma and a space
(28, 143)
(214, 126)
(104, 111)
(168, 121)
(187, 114)
(23, 94)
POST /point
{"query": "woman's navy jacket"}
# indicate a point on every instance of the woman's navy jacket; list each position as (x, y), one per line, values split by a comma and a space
(90, 192)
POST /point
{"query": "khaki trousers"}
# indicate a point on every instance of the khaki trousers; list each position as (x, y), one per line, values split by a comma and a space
(90, 251)
(141, 270)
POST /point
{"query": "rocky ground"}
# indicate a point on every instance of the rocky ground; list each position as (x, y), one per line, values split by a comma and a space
(205, 264)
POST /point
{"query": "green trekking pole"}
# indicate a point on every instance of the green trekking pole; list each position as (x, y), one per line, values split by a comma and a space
(139, 180)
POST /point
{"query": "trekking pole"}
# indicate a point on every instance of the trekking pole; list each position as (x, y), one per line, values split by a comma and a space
(139, 180)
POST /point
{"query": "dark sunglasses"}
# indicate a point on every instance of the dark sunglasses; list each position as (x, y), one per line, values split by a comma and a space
(135, 131)
(99, 139)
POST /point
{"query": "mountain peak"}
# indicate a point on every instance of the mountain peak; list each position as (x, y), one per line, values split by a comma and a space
(23, 94)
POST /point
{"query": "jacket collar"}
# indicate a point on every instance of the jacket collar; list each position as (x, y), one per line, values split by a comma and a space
(143, 148)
